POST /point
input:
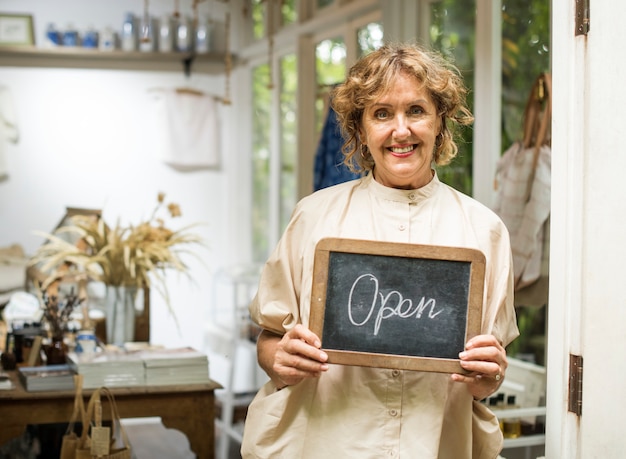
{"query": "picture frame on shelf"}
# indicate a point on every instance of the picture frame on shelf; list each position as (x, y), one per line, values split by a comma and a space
(16, 29)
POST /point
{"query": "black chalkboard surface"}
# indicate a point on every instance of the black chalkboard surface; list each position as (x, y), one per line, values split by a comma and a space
(394, 305)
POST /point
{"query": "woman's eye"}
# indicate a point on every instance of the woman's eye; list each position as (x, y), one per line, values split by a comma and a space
(381, 115)
(416, 111)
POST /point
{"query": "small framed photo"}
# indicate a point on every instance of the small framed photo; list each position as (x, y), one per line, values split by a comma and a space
(16, 29)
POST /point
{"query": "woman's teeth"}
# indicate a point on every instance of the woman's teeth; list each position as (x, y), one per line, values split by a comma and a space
(401, 150)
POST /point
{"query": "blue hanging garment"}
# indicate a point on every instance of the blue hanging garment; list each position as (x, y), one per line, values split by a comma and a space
(329, 167)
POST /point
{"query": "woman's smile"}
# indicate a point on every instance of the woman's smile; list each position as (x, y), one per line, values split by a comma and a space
(402, 151)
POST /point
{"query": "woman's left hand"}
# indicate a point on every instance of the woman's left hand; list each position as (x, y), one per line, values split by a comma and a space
(485, 360)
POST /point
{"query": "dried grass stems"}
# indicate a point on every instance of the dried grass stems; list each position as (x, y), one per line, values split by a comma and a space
(57, 314)
(129, 256)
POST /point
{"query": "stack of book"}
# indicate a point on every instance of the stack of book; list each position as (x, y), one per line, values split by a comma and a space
(175, 366)
(110, 369)
(47, 377)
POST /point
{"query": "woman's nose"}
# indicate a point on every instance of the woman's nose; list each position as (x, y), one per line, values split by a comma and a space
(401, 129)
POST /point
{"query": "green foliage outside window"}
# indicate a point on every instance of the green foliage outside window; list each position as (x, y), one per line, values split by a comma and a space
(452, 32)
(525, 55)
(288, 136)
(261, 104)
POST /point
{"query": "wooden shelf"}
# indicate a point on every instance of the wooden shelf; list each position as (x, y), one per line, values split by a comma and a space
(86, 58)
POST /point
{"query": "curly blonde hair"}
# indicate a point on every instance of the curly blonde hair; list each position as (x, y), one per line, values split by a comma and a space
(372, 75)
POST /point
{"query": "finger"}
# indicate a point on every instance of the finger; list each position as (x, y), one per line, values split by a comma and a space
(298, 347)
(483, 341)
(306, 335)
(487, 354)
(483, 368)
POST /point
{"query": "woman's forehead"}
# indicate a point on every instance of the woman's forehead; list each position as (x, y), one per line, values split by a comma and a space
(403, 86)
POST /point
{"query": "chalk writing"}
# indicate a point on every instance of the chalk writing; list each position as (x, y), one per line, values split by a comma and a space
(402, 307)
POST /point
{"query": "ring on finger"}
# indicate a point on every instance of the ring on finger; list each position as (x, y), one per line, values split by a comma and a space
(498, 377)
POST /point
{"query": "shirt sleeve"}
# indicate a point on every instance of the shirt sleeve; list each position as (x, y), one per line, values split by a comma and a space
(275, 307)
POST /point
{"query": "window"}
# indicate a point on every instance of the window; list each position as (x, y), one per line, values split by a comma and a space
(452, 32)
(330, 69)
(261, 105)
(279, 171)
(288, 127)
(525, 55)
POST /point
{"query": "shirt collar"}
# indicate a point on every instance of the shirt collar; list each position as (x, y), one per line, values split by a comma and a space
(403, 196)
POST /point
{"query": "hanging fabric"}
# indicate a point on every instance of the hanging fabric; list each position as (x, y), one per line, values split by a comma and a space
(523, 176)
(187, 130)
(329, 167)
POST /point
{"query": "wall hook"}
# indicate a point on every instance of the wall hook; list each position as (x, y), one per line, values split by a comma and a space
(187, 62)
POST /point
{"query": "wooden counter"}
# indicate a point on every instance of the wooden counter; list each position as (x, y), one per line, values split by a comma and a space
(189, 408)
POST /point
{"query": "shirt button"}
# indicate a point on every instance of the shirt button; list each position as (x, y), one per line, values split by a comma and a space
(393, 413)
(412, 196)
(401, 227)
(395, 373)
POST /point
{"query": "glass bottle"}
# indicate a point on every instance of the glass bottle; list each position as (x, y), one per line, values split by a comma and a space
(183, 34)
(146, 34)
(203, 36)
(165, 34)
(511, 427)
(128, 36)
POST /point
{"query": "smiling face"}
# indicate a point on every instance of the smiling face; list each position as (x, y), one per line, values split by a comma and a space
(400, 129)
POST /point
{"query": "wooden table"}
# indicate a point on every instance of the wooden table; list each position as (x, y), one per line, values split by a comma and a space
(189, 408)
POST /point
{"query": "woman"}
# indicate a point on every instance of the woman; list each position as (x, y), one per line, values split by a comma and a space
(397, 108)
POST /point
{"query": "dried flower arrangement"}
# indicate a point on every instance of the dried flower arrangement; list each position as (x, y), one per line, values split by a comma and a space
(57, 314)
(130, 256)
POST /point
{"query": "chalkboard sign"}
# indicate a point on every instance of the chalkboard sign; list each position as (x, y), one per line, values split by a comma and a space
(394, 305)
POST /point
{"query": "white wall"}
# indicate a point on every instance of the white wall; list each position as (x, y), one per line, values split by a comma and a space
(87, 140)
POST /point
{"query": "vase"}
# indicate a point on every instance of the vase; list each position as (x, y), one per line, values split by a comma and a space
(55, 351)
(120, 314)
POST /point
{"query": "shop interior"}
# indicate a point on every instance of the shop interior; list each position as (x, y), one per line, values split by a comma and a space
(94, 124)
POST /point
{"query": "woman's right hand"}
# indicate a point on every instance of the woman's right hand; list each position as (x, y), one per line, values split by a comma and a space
(291, 358)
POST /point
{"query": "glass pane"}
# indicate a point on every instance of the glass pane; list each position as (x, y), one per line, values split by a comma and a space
(261, 98)
(452, 26)
(370, 38)
(258, 18)
(323, 3)
(288, 138)
(330, 66)
(288, 11)
(525, 55)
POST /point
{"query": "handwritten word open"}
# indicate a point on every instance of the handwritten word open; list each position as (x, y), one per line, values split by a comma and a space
(401, 307)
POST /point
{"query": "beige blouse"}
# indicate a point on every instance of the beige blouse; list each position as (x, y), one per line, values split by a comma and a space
(362, 412)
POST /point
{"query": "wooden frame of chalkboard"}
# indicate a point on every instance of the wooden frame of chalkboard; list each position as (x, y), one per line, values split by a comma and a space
(396, 305)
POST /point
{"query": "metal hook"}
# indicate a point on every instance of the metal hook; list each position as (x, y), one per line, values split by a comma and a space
(187, 64)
